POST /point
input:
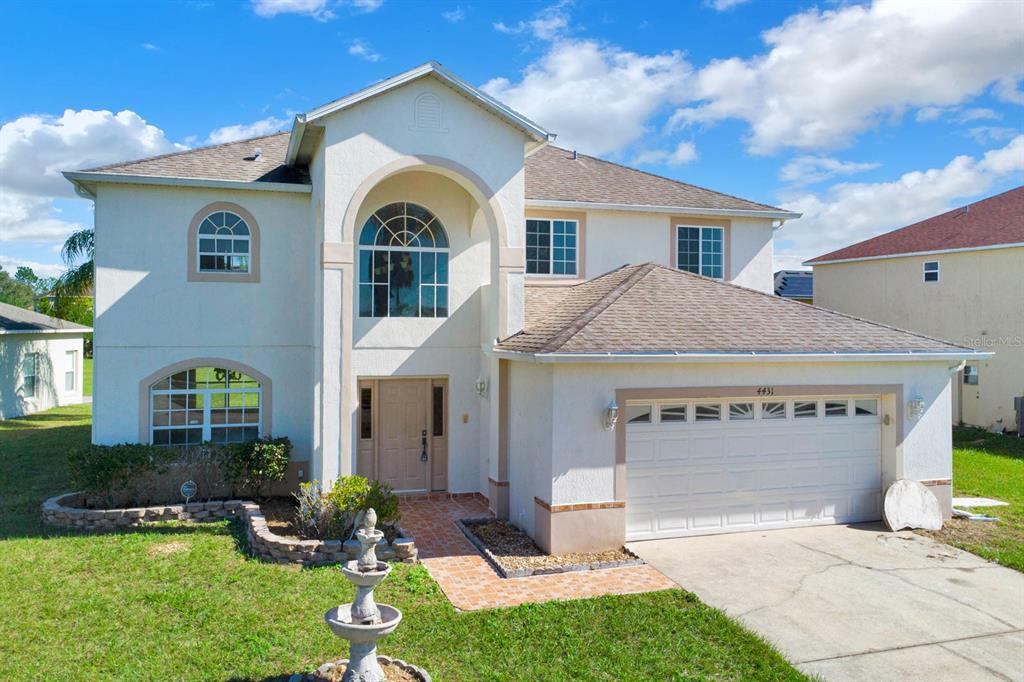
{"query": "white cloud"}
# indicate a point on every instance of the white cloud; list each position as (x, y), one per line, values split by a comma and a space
(1008, 90)
(850, 212)
(990, 134)
(150, 47)
(723, 5)
(925, 114)
(367, 6)
(454, 16)
(11, 265)
(579, 86)
(243, 131)
(34, 149)
(362, 49)
(684, 153)
(550, 23)
(828, 76)
(977, 114)
(807, 170)
(318, 9)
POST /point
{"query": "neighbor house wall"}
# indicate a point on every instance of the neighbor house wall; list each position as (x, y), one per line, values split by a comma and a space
(977, 302)
(148, 315)
(50, 369)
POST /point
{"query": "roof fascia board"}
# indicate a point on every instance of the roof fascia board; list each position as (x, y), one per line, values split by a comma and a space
(9, 332)
(947, 356)
(911, 254)
(80, 178)
(675, 210)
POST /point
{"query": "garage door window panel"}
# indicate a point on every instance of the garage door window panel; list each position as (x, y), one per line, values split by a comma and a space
(707, 412)
(805, 409)
(638, 414)
(865, 408)
(773, 410)
(741, 412)
(672, 413)
(836, 408)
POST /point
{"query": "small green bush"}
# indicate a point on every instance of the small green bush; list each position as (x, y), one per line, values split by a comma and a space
(256, 464)
(110, 472)
(352, 495)
(315, 515)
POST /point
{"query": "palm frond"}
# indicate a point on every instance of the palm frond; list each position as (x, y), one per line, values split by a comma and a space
(76, 280)
(77, 246)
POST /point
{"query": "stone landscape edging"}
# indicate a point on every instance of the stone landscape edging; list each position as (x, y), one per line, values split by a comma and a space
(544, 570)
(263, 543)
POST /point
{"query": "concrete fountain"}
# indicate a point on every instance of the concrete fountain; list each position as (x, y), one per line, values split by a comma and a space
(363, 622)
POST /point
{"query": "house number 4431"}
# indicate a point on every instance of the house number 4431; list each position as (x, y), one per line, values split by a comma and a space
(766, 390)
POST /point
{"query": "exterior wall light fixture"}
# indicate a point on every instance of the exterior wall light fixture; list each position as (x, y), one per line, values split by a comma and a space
(611, 416)
(481, 387)
(915, 407)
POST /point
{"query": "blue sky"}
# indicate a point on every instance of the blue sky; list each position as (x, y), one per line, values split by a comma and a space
(864, 116)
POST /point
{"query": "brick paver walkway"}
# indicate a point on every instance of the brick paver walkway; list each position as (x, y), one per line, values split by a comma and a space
(470, 583)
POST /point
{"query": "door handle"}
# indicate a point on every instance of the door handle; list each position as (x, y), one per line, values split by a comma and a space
(423, 442)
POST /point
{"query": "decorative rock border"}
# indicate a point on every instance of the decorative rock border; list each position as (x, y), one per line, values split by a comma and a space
(61, 511)
(544, 570)
(383, 660)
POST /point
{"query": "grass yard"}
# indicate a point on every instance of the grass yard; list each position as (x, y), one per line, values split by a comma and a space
(87, 376)
(182, 602)
(989, 465)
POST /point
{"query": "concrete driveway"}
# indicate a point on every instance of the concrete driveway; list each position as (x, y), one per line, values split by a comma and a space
(858, 602)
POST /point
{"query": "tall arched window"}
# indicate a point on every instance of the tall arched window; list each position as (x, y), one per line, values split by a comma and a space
(203, 404)
(223, 243)
(403, 263)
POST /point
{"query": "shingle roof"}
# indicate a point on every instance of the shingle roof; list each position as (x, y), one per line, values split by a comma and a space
(988, 222)
(15, 320)
(794, 283)
(229, 161)
(553, 174)
(649, 308)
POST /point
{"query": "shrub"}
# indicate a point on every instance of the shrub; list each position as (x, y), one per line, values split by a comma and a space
(352, 495)
(256, 464)
(315, 516)
(108, 473)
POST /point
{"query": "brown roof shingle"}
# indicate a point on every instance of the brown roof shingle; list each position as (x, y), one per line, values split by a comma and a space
(229, 161)
(988, 222)
(649, 308)
(554, 175)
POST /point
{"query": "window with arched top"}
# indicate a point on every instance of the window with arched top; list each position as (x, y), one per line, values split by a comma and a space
(205, 404)
(403, 263)
(223, 244)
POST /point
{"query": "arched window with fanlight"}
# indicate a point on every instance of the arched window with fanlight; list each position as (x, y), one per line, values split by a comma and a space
(224, 239)
(205, 404)
(403, 263)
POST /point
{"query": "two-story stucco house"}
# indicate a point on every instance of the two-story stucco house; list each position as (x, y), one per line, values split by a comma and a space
(415, 285)
(959, 276)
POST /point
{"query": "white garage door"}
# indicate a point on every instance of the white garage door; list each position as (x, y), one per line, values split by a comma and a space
(716, 466)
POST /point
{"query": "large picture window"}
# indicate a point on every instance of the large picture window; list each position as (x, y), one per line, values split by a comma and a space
(701, 250)
(203, 404)
(551, 246)
(403, 263)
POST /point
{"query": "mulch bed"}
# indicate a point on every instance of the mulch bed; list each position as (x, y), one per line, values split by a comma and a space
(515, 555)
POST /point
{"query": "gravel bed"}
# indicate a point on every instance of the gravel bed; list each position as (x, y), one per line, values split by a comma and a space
(515, 555)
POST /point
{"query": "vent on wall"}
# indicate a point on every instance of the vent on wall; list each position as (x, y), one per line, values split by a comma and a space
(428, 113)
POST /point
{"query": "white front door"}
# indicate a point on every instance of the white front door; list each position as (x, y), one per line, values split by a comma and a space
(696, 467)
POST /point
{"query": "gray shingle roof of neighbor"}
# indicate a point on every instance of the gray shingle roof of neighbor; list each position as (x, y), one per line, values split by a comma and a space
(15, 320)
(650, 308)
(230, 161)
(551, 174)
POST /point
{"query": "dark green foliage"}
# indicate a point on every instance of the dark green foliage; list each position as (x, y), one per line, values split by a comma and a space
(352, 495)
(104, 472)
(256, 464)
(15, 292)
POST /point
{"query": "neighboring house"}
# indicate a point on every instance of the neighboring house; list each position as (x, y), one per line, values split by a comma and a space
(957, 276)
(40, 361)
(415, 285)
(796, 285)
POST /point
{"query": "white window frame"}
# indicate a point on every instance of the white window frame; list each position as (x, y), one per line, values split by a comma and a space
(229, 237)
(70, 368)
(34, 375)
(925, 272)
(700, 249)
(207, 425)
(551, 249)
(971, 372)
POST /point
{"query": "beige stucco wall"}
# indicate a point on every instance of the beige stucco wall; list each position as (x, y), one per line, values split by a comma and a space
(52, 364)
(978, 302)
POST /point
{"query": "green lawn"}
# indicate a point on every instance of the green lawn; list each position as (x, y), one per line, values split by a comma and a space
(989, 465)
(87, 377)
(181, 602)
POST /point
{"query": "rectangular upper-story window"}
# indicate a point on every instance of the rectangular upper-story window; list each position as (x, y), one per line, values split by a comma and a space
(551, 247)
(931, 271)
(701, 250)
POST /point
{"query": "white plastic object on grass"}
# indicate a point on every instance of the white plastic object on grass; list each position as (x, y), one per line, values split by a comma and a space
(909, 504)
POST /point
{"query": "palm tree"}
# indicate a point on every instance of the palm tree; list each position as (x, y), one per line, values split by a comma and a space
(77, 280)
